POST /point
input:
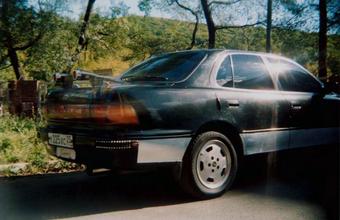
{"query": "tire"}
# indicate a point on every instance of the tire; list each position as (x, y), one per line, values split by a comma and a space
(209, 166)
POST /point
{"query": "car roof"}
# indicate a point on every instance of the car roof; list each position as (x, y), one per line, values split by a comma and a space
(218, 50)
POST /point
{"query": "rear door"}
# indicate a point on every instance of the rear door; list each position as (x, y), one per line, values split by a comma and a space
(250, 97)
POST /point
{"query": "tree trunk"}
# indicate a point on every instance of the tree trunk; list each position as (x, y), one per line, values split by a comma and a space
(194, 32)
(12, 54)
(323, 39)
(269, 26)
(82, 41)
(210, 23)
(13, 57)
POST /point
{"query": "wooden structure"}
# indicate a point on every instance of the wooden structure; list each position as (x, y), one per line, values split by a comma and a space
(23, 97)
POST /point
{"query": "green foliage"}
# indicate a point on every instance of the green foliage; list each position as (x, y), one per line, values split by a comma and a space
(103, 37)
(12, 158)
(116, 42)
(145, 6)
(119, 9)
(23, 26)
(37, 158)
(19, 142)
(148, 36)
(17, 20)
(5, 144)
(6, 74)
(151, 36)
(54, 50)
(333, 58)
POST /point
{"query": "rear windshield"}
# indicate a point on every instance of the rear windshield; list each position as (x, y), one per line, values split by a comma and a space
(169, 67)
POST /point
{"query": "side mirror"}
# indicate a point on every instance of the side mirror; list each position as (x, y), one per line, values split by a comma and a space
(330, 88)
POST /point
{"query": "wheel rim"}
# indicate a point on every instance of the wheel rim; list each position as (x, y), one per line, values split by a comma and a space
(213, 164)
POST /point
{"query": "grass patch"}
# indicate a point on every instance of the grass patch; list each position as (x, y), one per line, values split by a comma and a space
(19, 143)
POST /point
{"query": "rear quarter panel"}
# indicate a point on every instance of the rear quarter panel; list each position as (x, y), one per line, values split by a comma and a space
(173, 109)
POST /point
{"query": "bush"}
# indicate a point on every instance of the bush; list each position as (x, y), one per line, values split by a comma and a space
(5, 143)
(19, 141)
(37, 158)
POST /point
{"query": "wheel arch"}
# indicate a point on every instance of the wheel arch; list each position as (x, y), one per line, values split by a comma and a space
(225, 128)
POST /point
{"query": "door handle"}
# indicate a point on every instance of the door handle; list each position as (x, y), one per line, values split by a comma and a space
(296, 106)
(233, 103)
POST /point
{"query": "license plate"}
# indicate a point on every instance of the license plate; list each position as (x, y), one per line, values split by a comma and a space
(66, 153)
(63, 140)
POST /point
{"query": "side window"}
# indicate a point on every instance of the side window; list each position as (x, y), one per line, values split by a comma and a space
(224, 74)
(291, 77)
(250, 72)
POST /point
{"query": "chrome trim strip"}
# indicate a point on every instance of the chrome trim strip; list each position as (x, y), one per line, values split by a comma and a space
(114, 141)
(162, 150)
(261, 142)
(266, 130)
(313, 137)
(268, 141)
(113, 148)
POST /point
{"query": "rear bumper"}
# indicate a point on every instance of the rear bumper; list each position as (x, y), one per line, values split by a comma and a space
(122, 151)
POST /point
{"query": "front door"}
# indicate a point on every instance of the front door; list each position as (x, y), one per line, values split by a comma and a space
(313, 116)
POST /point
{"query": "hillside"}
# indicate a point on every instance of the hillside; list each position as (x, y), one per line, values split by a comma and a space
(119, 43)
(146, 36)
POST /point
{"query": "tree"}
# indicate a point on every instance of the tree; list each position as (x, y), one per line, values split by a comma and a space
(333, 10)
(151, 36)
(293, 11)
(210, 23)
(210, 10)
(21, 27)
(208, 7)
(196, 14)
(119, 9)
(323, 39)
(269, 26)
(53, 51)
(82, 41)
(145, 6)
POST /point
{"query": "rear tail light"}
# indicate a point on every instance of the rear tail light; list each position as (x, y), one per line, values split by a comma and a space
(116, 114)
(113, 114)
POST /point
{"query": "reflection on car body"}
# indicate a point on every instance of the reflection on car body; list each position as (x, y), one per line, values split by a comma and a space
(199, 110)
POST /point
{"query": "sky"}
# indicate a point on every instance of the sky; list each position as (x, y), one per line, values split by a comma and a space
(79, 6)
(236, 15)
(76, 7)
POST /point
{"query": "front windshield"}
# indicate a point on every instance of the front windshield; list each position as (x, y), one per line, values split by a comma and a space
(169, 67)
